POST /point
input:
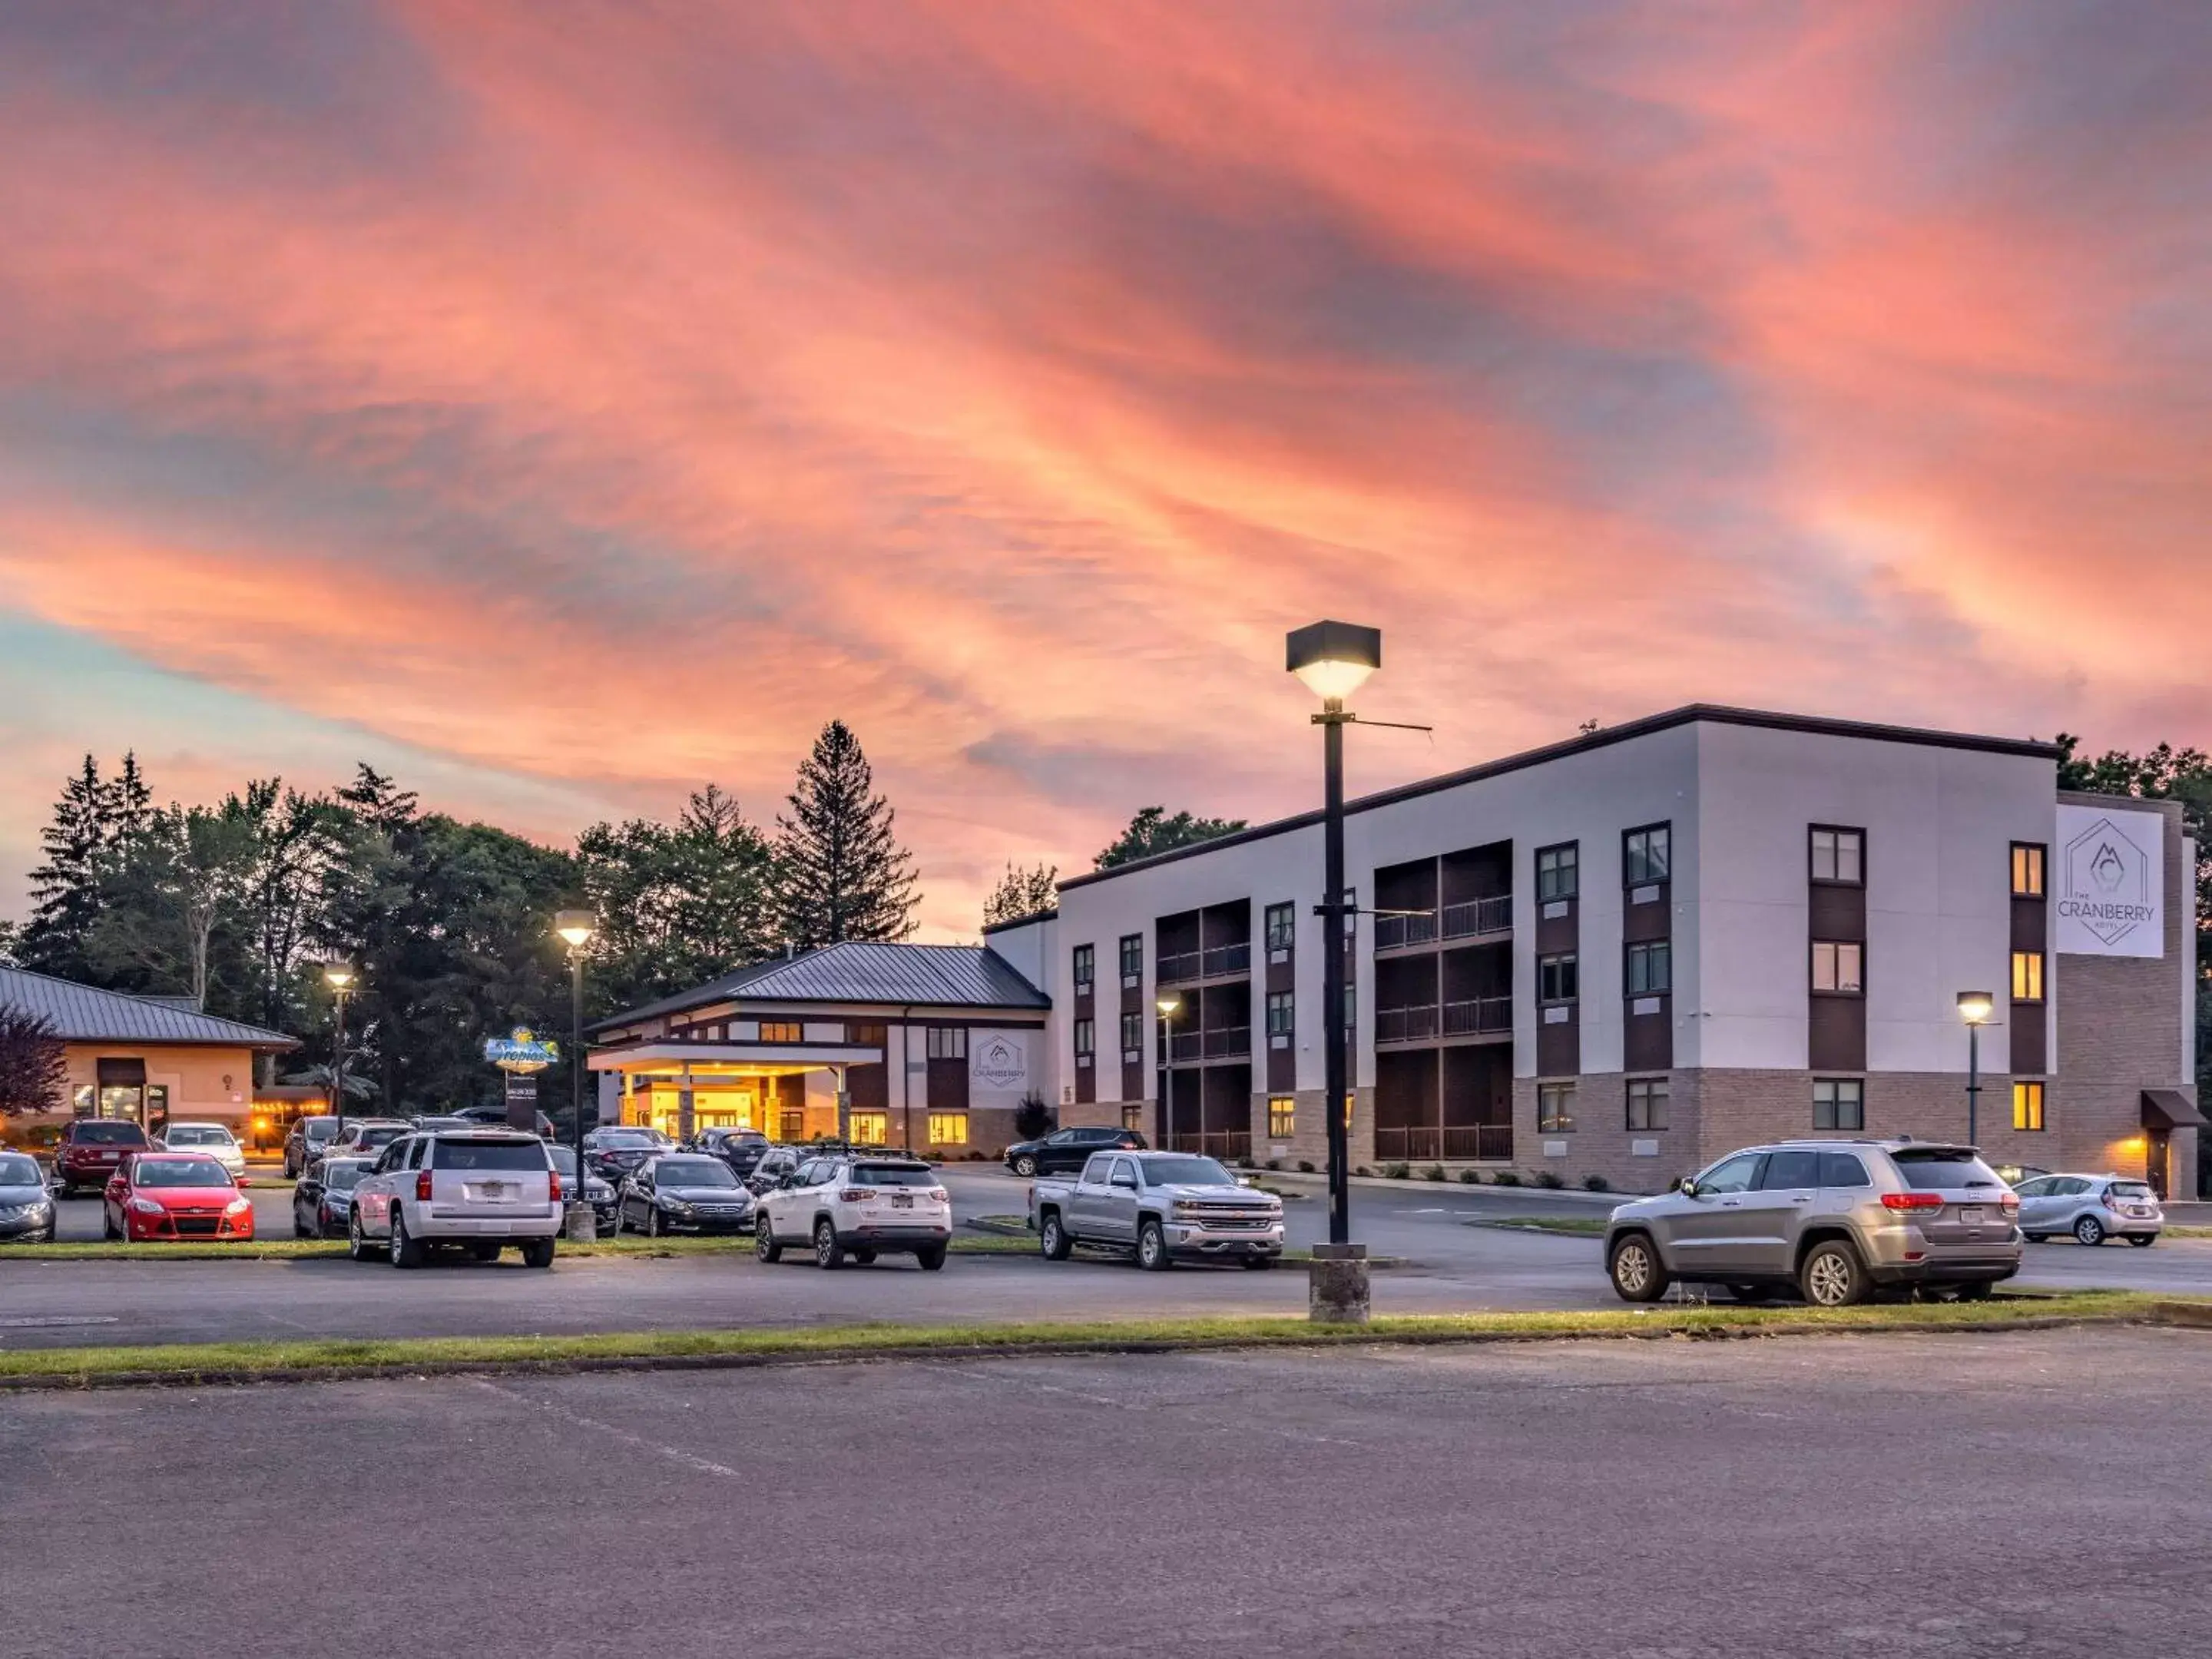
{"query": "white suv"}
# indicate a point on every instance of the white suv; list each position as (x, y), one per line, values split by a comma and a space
(481, 1187)
(859, 1205)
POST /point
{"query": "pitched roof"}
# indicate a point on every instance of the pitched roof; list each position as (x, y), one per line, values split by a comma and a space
(82, 1013)
(865, 971)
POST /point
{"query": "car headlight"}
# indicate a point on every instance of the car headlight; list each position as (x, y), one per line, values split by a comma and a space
(238, 1207)
(675, 1204)
(1186, 1208)
(144, 1206)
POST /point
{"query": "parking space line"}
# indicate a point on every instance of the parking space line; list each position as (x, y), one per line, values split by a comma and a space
(638, 1442)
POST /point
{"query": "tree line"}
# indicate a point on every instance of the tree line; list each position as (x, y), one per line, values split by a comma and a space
(238, 904)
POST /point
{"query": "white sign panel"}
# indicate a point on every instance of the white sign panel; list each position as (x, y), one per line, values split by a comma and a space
(998, 1063)
(2108, 883)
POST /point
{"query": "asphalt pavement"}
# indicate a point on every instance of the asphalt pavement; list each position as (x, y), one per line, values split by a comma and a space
(1818, 1497)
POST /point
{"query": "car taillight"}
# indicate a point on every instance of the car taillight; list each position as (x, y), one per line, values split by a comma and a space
(423, 1186)
(2009, 1201)
(937, 1195)
(2107, 1199)
(553, 1185)
(1912, 1201)
(856, 1194)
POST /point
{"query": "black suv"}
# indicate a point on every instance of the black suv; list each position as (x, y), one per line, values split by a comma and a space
(1069, 1149)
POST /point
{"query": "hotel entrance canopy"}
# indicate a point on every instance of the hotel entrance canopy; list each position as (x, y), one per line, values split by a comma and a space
(674, 1058)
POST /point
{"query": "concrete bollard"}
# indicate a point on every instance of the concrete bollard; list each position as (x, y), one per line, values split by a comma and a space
(582, 1223)
(1337, 1284)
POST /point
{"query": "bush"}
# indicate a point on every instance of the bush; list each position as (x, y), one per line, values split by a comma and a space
(1305, 1168)
(1508, 1178)
(1471, 1177)
(1246, 1164)
(1549, 1180)
(1361, 1170)
(1434, 1172)
(1033, 1119)
(1396, 1171)
(1272, 1163)
(1596, 1184)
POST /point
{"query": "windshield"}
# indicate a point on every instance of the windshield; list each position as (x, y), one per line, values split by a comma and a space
(1185, 1172)
(564, 1159)
(488, 1155)
(379, 1137)
(344, 1177)
(625, 1138)
(196, 1134)
(96, 1133)
(319, 1128)
(179, 1172)
(16, 1171)
(891, 1175)
(1943, 1170)
(693, 1172)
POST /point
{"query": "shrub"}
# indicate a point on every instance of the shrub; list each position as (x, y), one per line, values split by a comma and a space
(1434, 1172)
(1396, 1171)
(1361, 1170)
(1596, 1184)
(1246, 1164)
(1272, 1163)
(1304, 1168)
(1508, 1178)
(1549, 1180)
(1471, 1177)
(1033, 1118)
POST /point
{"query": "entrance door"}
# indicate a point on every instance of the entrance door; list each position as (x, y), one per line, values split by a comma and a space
(2155, 1157)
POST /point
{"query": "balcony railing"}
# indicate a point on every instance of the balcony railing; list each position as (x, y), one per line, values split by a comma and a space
(1227, 1145)
(1184, 966)
(1187, 1045)
(1413, 1142)
(1487, 915)
(1404, 1024)
(1181, 968)
(1478, 1017)
(1392, 932)
(1224, 1042)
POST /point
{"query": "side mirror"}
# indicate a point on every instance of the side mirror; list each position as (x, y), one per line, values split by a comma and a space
(1688, 1189)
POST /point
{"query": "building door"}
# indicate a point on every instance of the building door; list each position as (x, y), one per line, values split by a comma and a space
(2157, 1148)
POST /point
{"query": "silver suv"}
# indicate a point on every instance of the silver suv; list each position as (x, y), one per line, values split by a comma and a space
(1834, 1219)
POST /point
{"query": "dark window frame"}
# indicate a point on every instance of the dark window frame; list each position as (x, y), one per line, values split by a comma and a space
(1132, 956)
(1572, 961)
(1282, 1116)
(2042, 862)
(1083, 966)
(1283, 937)
(1812, 874)
(1550, 1120)
(796, 1027)
(1628, 837)
(2024, 1090)
(1840, 1119)
(1133, 1037)
(1086, 1035)
(1651, 1092)
(1812, 969)
(1287, 1001)
(2042, 975)
(1648, 951)
(1571, 865)
(945, 1041)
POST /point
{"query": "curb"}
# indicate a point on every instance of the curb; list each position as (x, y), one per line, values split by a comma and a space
(1526, 1189)
(2193, 1315)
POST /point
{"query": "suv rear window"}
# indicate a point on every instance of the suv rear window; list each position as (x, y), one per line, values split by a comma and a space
(891, 1175)
(94, 1131)
(1944, 1171)
(2130, 1189)
(488, 1155)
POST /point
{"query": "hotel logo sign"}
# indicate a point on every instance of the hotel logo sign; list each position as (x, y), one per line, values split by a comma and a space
(998, 1061)
(2112, 868)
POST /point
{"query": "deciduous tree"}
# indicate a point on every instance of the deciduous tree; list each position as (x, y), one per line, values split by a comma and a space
(33, 1065)
(1152, 831)
(1024, 891)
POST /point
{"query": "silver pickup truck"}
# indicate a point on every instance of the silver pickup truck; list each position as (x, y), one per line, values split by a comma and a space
(1165, 1206)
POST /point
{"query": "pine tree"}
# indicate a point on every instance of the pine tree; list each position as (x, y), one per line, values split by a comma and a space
(65, 901)
(128, 811)
(841, 874)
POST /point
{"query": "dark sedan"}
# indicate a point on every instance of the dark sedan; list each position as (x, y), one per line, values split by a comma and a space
(741, 1149)
(686, 1193)
(1069, 1149)
(606, 1208)
(614, 1153)
(322, 1202)
(27, 1208)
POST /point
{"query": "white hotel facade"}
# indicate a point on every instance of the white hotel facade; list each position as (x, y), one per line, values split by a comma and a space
(1621, 956)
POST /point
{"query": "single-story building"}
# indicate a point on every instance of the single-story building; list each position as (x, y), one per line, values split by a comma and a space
(148, 1059)
(922, 1046)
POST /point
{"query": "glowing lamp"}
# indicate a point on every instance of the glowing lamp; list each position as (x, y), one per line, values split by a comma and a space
(1975, 1007)
(1167, 1004)
(338, 975)
(1334, 658)
(577, 927)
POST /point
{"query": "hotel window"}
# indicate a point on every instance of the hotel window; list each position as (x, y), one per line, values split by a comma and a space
(1133, 1115)
(1086, 1039)
(2027, 976)
(1281, 1013)
(873, 1128)
(2027, 1105)
(1558, 871)
(1133, 955)
(1839, 967)
(1647, 1103)
(948, 1128)
(1651, 967)
(1840, 857)
(1646, 855)
(1555, 1108)
(782, 1030)
(1557, 979)
(1087, 966)
(792, 1127)
(1282, 927)
(1282, 1118)
(1132, 1033)
(2026, 870)
(861, 1034)
(1839, 1103)
(1351, 914)
(948, 1042)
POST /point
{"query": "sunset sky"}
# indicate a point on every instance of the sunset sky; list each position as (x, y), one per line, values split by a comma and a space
(563, 404)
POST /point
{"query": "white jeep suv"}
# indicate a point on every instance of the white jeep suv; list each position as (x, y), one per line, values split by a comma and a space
(857, 1205)
(479, 1187)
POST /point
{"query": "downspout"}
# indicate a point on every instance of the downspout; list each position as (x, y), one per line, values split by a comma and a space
(905, 1078)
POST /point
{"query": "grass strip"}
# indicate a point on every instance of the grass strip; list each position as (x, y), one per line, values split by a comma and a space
(244, 1362)
(1582, 1226)
(296, 1250)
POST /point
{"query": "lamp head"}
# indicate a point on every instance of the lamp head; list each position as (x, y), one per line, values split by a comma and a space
(577, 927)
(338, 975)
(1333, 657)
(1976, 1006)
(1167, 1004)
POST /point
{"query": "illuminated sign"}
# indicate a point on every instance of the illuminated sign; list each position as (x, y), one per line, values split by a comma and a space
(521, 1052)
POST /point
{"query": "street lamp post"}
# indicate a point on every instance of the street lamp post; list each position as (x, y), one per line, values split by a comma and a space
(338, 976)
(1334, 658)
(576, 929)
(1975, 1008)
(1167, 1002)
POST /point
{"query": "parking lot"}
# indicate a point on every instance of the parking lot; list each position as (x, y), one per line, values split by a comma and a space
(2030, 1494)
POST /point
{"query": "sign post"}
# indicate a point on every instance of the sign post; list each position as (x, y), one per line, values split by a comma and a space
(521, 1057)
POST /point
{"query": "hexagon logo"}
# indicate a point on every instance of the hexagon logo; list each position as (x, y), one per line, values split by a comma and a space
(2108, 890)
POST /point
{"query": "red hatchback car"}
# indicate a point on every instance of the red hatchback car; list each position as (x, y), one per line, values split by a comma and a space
(158, 1195)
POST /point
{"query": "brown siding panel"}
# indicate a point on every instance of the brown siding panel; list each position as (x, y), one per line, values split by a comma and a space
(2030, 1040)
(1838, 913)
(2030, 925)
(1650, 920)
(1836, 1034)
(1560, 1048)
(1648, 1040)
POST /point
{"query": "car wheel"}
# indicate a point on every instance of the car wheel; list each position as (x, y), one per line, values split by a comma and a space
(107, 1227)
(2142, 1241)
(404, 1251)
(1153, 1247)
(653, 1224)
(1052, 1237)
(1637, 1274)
(2089, 1231)
(1025, 1167)
(300, 1229)
(538, 1252)
(931, 1258)
(357, 1241)
(866, 1258)
(1833, 1276)
(485, 1251)
(828, 1253)
(764, 1244)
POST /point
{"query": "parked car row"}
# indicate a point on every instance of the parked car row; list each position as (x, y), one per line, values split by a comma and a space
(1163, 1206)
(92, 1149)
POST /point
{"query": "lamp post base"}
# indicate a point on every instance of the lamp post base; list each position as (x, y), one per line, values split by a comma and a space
(582, 1224)
(1337, 1284)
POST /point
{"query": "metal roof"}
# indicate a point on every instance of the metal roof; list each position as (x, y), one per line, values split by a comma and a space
(865, 971)
(83, 1013)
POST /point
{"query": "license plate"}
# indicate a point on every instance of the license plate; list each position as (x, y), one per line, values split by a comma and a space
(495, 1189)
(901, 1202)
(1972, 1218)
